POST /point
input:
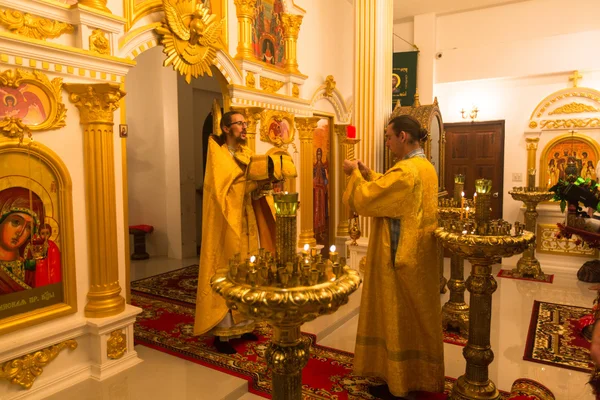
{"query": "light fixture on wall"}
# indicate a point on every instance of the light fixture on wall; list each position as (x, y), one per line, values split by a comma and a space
(472, 114)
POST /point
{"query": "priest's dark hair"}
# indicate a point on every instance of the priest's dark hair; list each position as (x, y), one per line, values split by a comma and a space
(411, 126)
(226, 120)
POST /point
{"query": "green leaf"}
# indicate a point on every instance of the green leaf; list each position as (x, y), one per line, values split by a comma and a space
(563, 205)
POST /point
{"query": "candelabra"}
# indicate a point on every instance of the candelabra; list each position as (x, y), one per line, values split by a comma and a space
(286, 290)
(531, 196)
(481, 241)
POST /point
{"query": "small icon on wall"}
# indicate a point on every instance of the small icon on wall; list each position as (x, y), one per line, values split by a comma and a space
(123, 130)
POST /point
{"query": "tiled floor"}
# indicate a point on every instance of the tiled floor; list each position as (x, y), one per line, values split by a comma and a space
(163, 376)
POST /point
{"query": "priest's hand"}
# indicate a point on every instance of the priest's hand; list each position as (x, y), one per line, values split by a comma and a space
(349, 166)
(364, 170)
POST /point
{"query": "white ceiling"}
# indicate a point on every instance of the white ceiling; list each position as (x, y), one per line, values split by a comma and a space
(409, 8)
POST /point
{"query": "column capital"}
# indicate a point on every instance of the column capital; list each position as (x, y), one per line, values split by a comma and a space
(340, 130)
(306, 127)
(291, 25)
(96, 103)
(245, 8)
(532, 143)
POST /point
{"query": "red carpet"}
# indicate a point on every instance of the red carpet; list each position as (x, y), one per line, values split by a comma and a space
(554, 337)
(507, 273)
(180, 286)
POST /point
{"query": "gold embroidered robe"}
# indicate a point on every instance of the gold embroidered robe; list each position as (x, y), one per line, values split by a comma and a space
(231, 223)
(399, 335)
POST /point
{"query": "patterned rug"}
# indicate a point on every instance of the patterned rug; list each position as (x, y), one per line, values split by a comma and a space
(555, 339)
(507, 273)
(180, 285)
(167, 326)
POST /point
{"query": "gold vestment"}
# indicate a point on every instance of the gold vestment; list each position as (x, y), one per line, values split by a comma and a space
(232, 222)
(399, 335)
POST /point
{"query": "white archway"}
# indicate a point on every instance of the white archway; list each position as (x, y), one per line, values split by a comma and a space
(343, 114)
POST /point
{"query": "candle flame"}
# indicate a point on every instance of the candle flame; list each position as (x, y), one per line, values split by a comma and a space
(462, 194)
(332, 248)
(252, 259)
(467, 208)
(306, 247)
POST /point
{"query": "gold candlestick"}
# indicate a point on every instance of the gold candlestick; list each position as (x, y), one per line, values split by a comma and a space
(493, 239)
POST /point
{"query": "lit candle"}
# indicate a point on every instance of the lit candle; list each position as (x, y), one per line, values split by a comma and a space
(333, 254)
(462, 203)
(305, 249)
(351, 132)
(467, 210)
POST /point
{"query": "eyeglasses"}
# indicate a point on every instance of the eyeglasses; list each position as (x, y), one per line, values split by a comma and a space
(240, 123)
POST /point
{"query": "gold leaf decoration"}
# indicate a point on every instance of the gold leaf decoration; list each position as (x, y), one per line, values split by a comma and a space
(329, 86)
(99, 43)
(250, 80)
(574, 108)
(32, 26)
(116, 345)
(295, 90)
(270, 85)
(189, 35)
(570, 123)
(24, 370)
(57, 113)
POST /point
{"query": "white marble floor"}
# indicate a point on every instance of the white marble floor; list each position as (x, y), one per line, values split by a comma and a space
(162, 376)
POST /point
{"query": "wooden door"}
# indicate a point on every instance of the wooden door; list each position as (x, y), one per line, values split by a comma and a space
(476, 150)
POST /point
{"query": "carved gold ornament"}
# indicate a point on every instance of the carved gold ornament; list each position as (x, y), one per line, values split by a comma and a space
(189, 36)
(99, 43)
(32, 26)
(570, 123)
(23, 371)
(250, 80)
(116, 345)
(574, 108)
(533, 124)
(277, 128)
(14, 128)
(270, 85)
(329, 86)
(96, 103)
(295, 90)
(15, 89)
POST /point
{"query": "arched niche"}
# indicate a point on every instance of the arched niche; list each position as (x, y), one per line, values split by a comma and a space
(343, 114)
(36, 187)
(430, 118)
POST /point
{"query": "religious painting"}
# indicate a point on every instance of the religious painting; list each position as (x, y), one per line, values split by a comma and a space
(30, 98)
(277, 128)
(267, 32)
(37, 280)
(569, 151)
(123, 130)
(323, 185)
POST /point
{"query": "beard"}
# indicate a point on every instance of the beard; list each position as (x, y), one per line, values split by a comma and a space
(237, 139)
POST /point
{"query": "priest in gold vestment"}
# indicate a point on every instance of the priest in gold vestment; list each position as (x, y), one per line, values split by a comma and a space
(234, 220)
(399, 335)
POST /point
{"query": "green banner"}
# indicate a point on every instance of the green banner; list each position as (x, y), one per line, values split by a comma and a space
(404, 77)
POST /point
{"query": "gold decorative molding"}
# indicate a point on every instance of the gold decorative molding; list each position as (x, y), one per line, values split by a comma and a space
(116, 345)
(291, 28)
(306, 128)
(14, 128)
(277, 128)
(97, 104)
(270, 85)
(329, 85)
(570, 123)
(14, 84)
(574, 108)
(23, 371)
(531, 144)
(586, 93)
(295, 90)
(548, 243)
(245, 14)
(99, 5)
(533, 124)
(250, 80)
(99, 43)
(32, 26)
(190, 38)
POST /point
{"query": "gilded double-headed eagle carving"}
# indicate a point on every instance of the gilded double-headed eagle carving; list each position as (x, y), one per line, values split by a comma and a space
(190, 35)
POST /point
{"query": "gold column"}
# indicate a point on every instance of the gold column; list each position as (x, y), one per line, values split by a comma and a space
(252, 116)
(97, 4)
(306, 127)
(245, 14)
(532, 146)
(373, 67)
(291, 27)
(346, 153)
(97, 104)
